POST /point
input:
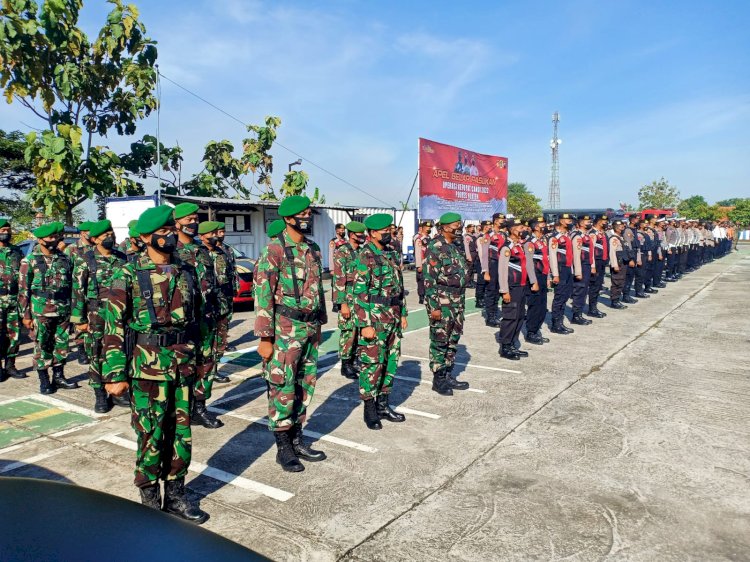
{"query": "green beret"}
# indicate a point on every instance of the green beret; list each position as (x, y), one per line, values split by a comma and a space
(293, 205)
(45, 230)
(378, 221)
(85, 226)
(155, 218)
(207, 226)
(355, 226)
(132, 223)
(59, 227)
(133, 232)
(222, 225)
(4, 223)
(448, 218)
(99, 228)
(185, 209)
(276, 228)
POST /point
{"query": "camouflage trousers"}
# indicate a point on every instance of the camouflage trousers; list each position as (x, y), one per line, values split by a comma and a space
(10, 329)
(291, 373)
(222, 335)
(161, 421)
(347, 338)
(209, 360)
(92, 343)
(379, 359)
(51, 339)
(444, 336)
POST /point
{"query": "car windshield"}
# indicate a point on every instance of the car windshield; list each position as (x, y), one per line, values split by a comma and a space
(237, 253)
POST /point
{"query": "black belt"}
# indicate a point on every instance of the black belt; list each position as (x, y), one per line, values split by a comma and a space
(5, 292)
(53, 295)
(161, 340)
(297, 315)
(449, 289)
(386, 301)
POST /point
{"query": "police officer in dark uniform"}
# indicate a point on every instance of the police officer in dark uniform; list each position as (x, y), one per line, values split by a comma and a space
(561, 269)
(480, 243)
(633, 248)
(492, 290)
(618, 263)
(583, 257)
(536, 302)
(649, 252)
(601, 257)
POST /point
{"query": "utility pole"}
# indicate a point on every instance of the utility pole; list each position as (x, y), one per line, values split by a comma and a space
(553, 201)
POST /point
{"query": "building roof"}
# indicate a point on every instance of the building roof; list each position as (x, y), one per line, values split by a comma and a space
(221, 203)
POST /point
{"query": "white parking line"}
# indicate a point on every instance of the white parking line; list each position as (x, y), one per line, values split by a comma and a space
(73, 429)
(251, 392)
(315, 434)
(414, 379)
(31, 460)
(215, 473)
(401, 409)
(63, 405)
(13, 448)
(500, 369)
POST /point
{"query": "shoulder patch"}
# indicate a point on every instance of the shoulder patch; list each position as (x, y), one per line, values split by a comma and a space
(530, 248)
(580, 242)
(507, 253)
(554, 242)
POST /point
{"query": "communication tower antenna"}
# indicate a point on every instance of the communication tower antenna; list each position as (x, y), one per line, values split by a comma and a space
(554, 181)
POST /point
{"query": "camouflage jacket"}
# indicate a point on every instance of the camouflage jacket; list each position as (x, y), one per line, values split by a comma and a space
(90, 292)
(176, 301)
(224, 275)
(378, 292)
(10, 263)
(343, 273)
(45, 293)
(200, 259)
(274, 285)
(444, 273)
(76, 251)
(232, 261)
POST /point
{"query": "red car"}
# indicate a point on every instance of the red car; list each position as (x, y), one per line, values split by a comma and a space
(245, 268)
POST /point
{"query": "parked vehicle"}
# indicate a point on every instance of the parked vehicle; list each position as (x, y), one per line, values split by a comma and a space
(245, 269)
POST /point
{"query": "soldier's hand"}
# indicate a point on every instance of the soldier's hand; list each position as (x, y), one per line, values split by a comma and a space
(631, 263)
(368, 333)
(116, 388)
(486, 276)
(28, 323)
(506, 298)
(579, 277)
(616, 270)
(419, 269)
(345, 311)
(436, 314)
(555, 279)
(404, 323)
(535, 288)
(82, 328)
(640, 263)
(265, 349)
(593, 270)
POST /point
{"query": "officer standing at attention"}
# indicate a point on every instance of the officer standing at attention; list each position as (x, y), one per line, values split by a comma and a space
(157, 297)
(515, 271)
(75, 252)
(336, 242)
(10, 329)
(290, 310)
(343, 284)
(221, 234)
(561, 266)
(93, 274)
(225, 273)
(583, 263)
(598, 235)
(489, 269)
(481, 245)
(660, 240)
(618, 263)
(470, 252)
(538, 250)
(128, 245)
(421, 239)
(633, 247)
(44, 294)
(445, 300)
(379, 310)
(134, 243)
(648, 253)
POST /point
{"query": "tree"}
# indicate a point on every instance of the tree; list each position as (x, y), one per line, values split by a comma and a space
(732, 202)
(696, 207)
(79, 89)
(521, 202)
(658, 195)
(15, 173)
(741, 213)
(140, 164)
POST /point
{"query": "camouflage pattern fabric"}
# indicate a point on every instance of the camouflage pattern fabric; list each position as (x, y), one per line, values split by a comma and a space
(10, 324)
(445, 287)
(291, 373)
(160, 416)
(225, 283)
(343, 283)
(45, 298)
(76, 251)
(89, 297)
(377, 277)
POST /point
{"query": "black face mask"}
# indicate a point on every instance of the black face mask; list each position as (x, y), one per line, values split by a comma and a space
(212, 240)
(51, 245)
(523, 235)
(139, 244)
(108, 243)
(5, 237)
(220, 238)
(303, 226)
(191, 229)
(385, 239)
(164, 243)
(359, 239)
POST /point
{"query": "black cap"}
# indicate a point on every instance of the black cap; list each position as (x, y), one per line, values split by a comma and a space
(498, 216)
(426, 223)
(602, 218)
(567, 216)
(584, 218)
(339, 225)
(616, 222)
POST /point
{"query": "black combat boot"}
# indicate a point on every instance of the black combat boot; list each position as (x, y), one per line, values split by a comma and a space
(336, 307)
(509, 352)
(102, 404)
(59, 380)
(384, 410)
(534, 337)
(151, 496)
(122, 400)
(579, 319)
(615, 303)
(558, 327)
(641, 295)
(10, 368)
(221, 379)
(453, 382)
(301, 449)
(3, 375)
(492, 319)
(83, 358)
(628, 299)
(348, 370)
(594, 312)
(440, 384)
(372, 419)
(176, 503)
(519, 351)
(662, 285)
(285, 455)
(201, 416)
(650, 290)
(421, 300)
(45, 386)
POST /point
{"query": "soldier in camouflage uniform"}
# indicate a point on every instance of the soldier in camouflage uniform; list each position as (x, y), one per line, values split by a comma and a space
(45, 284)
(379, 311)
(156, 298)
(343, 283)
(10, 329)
(445, 287)
(76, 252)
(92, 277)
(194, 254)
(127, 246)
(232, 273)
(290, 310)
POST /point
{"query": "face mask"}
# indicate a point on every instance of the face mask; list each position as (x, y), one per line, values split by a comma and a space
(5, 237)
(164, 243)
(108, 243)
(51, 245)
(220, 238)
(359, 239)
(139, 244)
(385, 238)
(190, 229)
(301, 225)
(524, 235)
(340, 234)
(212, 240)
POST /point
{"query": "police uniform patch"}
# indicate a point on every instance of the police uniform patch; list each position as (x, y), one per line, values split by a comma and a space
(554, 242)
(507, 253)
(530, 248)
(580, 243)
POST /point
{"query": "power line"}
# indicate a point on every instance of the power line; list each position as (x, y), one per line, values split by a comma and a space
(318, 166)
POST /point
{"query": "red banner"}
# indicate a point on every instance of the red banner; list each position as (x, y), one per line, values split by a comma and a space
(455, 179)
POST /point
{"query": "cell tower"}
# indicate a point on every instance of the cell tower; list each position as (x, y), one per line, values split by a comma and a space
(554, 180)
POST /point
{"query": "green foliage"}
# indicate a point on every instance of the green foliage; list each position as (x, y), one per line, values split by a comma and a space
(83, 87)
(521, 202)
(256, 155)
(15, 173)
(732, 202)
(23, 215)
(658, 195)
(741, 213)
(696, 207)
(140, 163)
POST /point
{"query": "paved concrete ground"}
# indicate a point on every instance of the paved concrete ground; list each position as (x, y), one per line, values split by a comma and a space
(626, 440)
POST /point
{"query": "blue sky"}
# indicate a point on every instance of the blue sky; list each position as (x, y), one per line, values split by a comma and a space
(644, 89)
